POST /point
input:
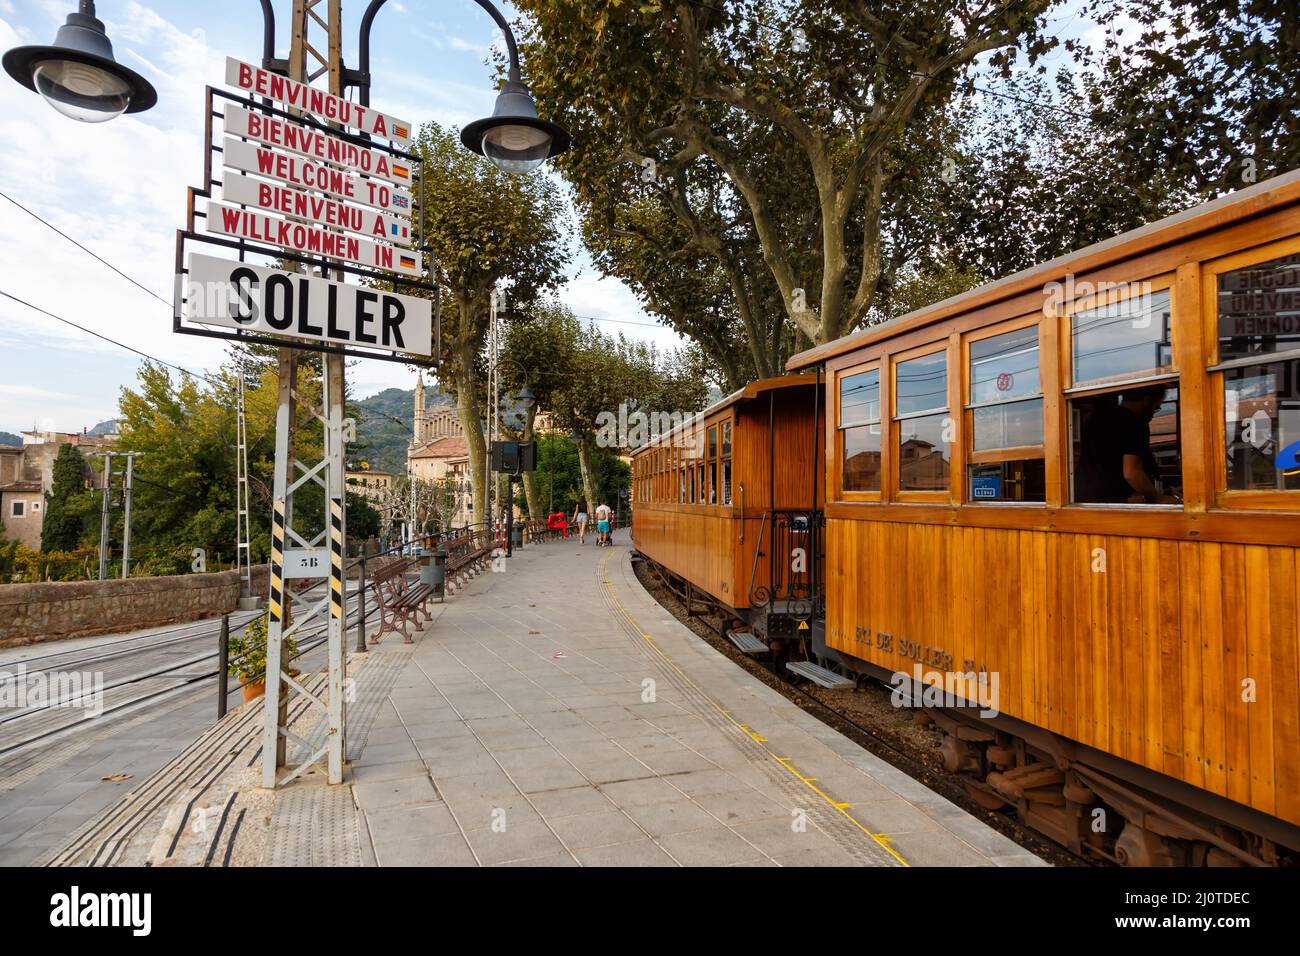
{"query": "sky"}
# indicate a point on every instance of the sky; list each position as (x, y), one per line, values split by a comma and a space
(119, 188)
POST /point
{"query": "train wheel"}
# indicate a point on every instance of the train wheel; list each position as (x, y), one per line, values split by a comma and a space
(1140, 847)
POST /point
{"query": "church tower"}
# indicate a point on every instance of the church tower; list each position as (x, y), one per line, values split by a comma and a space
(421, 427)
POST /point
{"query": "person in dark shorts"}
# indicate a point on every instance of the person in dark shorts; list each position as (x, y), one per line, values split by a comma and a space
(1115, 463)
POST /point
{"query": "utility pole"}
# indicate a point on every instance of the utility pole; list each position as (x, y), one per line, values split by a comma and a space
(291, 474)
(126, 533)
(103, 517)
(243, 535)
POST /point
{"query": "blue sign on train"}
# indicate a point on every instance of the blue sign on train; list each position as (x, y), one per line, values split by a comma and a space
(1288, 459)
(986, 487)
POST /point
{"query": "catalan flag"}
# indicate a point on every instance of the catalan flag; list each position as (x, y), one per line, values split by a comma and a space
(402, 171)
(408, 262)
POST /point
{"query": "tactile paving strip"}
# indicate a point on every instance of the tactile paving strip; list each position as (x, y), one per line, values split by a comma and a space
(314, 825)
(851, 836)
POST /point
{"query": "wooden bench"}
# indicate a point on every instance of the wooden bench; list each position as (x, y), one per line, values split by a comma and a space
(466, 554)
(400, 601)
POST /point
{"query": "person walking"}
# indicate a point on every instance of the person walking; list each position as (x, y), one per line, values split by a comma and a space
(580, 519)
(604, 516)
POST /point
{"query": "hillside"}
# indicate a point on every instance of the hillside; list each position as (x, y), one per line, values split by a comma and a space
(381, 441)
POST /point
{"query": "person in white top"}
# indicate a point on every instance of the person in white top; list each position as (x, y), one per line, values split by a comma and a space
(604, 524)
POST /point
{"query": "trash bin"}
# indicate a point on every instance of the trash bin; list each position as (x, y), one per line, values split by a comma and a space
(437, 571)
(425, 557)
(517, 535)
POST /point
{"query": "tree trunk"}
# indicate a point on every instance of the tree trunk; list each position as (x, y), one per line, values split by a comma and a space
(471, 422)
(588, 484)
(530, 479)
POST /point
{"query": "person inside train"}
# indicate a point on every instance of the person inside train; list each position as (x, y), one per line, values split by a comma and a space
(580, 519)
(1116, 464)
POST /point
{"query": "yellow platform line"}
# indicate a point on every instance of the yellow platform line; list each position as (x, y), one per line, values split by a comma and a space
(881, 839)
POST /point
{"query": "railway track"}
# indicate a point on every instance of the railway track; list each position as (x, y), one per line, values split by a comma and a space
(942, 782)
(132, 672)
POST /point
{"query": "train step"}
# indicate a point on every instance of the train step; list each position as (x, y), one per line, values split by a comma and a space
(747, 643)
(820, 675)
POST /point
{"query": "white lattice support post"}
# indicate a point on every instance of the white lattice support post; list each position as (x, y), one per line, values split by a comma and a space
(335, 490)
(273, 750)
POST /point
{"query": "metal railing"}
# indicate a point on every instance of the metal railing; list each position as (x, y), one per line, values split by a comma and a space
(792, 540)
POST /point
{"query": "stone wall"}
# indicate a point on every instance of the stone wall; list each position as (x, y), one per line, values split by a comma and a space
(54, 610)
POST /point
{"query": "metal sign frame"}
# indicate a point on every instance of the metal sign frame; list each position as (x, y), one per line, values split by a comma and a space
(326, 265)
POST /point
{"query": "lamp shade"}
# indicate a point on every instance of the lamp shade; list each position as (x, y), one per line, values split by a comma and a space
(514, 138)
(77, 74)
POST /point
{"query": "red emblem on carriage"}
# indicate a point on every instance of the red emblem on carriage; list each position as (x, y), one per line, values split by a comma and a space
(1004, 382)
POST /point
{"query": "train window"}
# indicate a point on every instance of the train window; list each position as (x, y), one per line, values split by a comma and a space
(1125, 446)
(859, 431)
(1259, 348)
(1022, 480)
(1127, 339)
(1006, 418)
(726, 462)
(1261, 405)
(1259, 309)
(924, 427)
(713, 465)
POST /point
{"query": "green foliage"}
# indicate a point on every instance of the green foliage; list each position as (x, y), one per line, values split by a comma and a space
(363, 520)
(782, 139)
(1203, 91)
(8, 555)
(246, 650)
(68, 503)
(559, 476)
(185, 479)
(31, 566)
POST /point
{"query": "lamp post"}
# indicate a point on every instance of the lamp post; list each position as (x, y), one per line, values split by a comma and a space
(514, 138)
(77, 74)
(528, 400)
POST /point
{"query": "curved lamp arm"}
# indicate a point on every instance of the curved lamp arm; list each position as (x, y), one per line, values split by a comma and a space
(368, 19)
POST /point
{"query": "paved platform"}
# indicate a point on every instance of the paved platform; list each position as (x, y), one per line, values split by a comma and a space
(555, 715)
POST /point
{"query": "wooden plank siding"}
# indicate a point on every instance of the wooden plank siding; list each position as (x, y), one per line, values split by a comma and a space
(1145, 660)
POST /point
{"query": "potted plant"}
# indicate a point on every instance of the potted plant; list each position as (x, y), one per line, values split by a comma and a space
(247, 654)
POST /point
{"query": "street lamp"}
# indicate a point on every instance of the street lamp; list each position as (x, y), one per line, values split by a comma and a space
(77, 75)
(514, 138)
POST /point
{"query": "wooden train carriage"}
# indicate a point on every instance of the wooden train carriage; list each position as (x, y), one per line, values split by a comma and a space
(706, 491)
(974, 523)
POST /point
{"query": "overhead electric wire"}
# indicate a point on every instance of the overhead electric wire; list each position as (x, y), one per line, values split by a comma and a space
(89, 252)
(112, 341)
